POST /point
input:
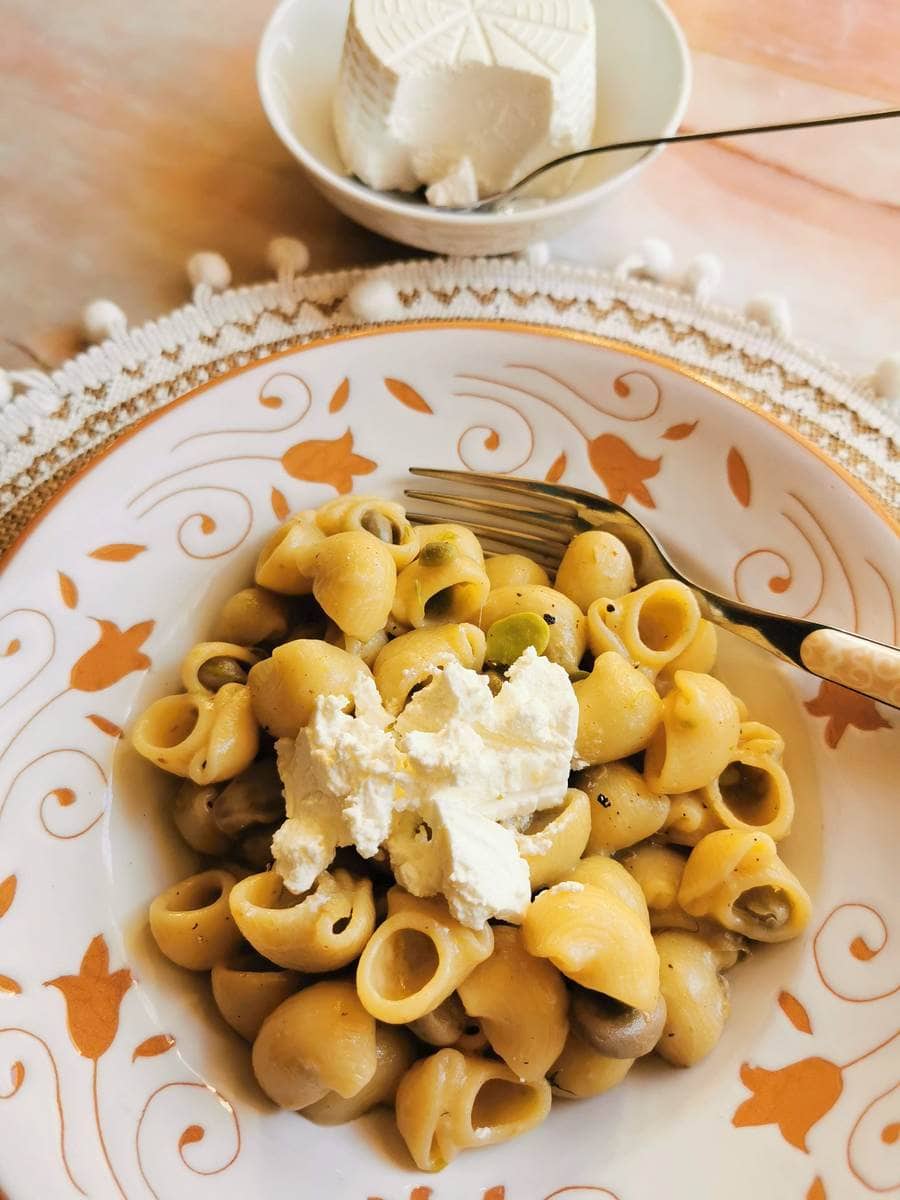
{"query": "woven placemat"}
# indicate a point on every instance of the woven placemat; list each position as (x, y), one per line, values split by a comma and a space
(53, 423)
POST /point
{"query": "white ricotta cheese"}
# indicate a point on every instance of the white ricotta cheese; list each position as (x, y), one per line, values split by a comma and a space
(427, 84)
(443, 788)
(458, 188)
(568, 885)
(483, 875)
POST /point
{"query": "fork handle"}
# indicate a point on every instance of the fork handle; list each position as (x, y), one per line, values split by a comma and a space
(855, 662)
(865, 666)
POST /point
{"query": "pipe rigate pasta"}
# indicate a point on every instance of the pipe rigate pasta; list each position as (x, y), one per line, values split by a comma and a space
(581, 1071)
(353, 581)
(600, 871)
(329, 517)
(367, 651)
(209, 665)
(192, 813)
(699, 655)
(173, 730)
(446, 583)
(462, 539)
(691, 817)
(596, 564)
(382, 519)
(753, 792)
(696, 737)
(285, 687)
(253, 798)
(192, 923)
(521, 1002)
(322, 1040)
(655, 623)
(282, 563)
(553, 840)
(696, 996)
(204, 737)
(623, 809)
(619, 711)
(757, 738)
(473, 1039)
(504, 570)
(253, 616)
(417, 958)
(568, 633)
(596, 940)
(246, 988)
(737, 878)
(233, 739)
(395, 1052)
(323, 930)
(614, 1030)
(659, 869)
(444, 1025)
(414, 658)
(451, 1102)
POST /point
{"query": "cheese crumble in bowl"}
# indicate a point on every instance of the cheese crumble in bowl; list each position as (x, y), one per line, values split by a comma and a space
(488, 854)
(376, 99)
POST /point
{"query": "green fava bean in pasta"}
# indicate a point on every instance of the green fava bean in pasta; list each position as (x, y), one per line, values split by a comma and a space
(510, 637)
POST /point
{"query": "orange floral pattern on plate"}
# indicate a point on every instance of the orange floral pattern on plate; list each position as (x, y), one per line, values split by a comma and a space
(67, 590)
(622, 470)
(7, 894)
(797, 1096)
(340, 396)
(331, 462)
(738, 477)
(115, 654)
(408, 396)
(844, 708)
(118, 552)
(499, 1193)
(150, 1047)
(795, 1012)
(794, 1098)
(93, 998)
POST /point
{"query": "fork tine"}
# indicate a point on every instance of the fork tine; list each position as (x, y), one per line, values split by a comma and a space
(499, 508)
(541, 537)
(550, 562)
(563, 498)
(532, 543)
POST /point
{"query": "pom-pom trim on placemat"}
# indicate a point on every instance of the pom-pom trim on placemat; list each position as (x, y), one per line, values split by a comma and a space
(52, 422)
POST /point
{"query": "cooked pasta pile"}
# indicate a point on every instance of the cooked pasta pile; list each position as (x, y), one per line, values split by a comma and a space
(649, 878)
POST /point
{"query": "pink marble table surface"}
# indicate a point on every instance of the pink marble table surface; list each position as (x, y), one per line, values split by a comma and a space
(131, 135)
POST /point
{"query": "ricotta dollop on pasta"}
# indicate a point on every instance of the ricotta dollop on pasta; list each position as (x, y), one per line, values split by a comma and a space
(443, 788)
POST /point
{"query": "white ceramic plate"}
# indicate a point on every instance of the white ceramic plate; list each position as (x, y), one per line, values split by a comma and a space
(643, 84)
(116, 1078)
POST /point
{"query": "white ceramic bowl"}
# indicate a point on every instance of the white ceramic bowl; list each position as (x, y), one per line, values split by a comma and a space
(643, 82)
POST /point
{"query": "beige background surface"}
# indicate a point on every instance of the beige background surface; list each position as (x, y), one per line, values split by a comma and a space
(131, 136)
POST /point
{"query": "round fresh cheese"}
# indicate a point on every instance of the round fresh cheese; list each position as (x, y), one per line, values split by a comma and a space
(463, 94)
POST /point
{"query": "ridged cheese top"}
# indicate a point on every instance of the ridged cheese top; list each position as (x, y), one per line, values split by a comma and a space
(427, 84)
(537, 35)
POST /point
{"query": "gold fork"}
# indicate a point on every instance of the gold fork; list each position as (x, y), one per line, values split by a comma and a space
(544, 517)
